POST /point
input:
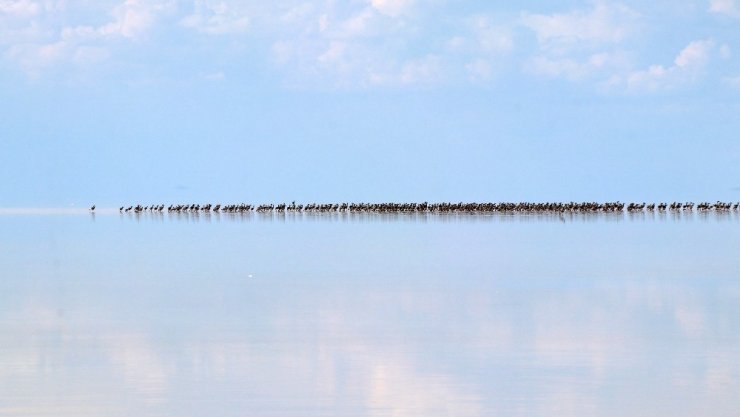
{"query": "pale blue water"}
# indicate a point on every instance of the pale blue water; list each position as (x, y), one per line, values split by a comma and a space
(369, 316)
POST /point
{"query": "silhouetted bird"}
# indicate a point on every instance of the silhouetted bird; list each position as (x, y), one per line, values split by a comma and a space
(92, 208)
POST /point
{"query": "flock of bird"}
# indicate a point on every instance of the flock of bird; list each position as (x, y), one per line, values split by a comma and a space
(522, 207)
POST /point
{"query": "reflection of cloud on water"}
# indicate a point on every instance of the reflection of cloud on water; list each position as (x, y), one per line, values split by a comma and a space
(390, 351)
(216, 360)
(396, 390)
(22, 357)
(19, 364)
(56, 366)
(690, 320)
(572, 334)
(56, 410)
(568, 396)
(683, 303)
(139, 364)
(382, 382)
(723, 371)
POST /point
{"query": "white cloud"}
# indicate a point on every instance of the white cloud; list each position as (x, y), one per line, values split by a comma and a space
(215, 76)
(479, 70)
(32, 58)
(605, 23)
(726, 7)
(77, 44)
(725, 51)
(733, 81)
(19, 22)
(134, 18)
(576, 70)
(363, 42)
(687, 67)
(42, 40)
(359, 24)
(87, 55)
(696, 54)
(22, 8)
(491, 38)
(582, 44)
(480, 36)
(425, 70)
(479, 48)
(355, 45)
(393, 8)
(216, 19)
(334, 53)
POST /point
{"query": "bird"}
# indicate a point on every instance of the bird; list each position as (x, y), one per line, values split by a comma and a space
(92, 208)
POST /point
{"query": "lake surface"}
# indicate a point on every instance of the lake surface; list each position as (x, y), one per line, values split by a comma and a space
(327, 315)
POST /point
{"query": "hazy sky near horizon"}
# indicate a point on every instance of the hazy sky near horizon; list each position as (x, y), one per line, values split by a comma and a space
(124, 101)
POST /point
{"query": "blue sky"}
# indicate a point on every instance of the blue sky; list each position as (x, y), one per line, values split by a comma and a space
(125, 101)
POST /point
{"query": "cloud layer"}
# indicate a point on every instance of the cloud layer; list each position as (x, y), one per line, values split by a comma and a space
(369, 43)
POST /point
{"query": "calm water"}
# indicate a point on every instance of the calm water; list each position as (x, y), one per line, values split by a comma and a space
(369, 315)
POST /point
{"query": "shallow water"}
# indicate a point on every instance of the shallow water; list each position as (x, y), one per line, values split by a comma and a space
(311, 315)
